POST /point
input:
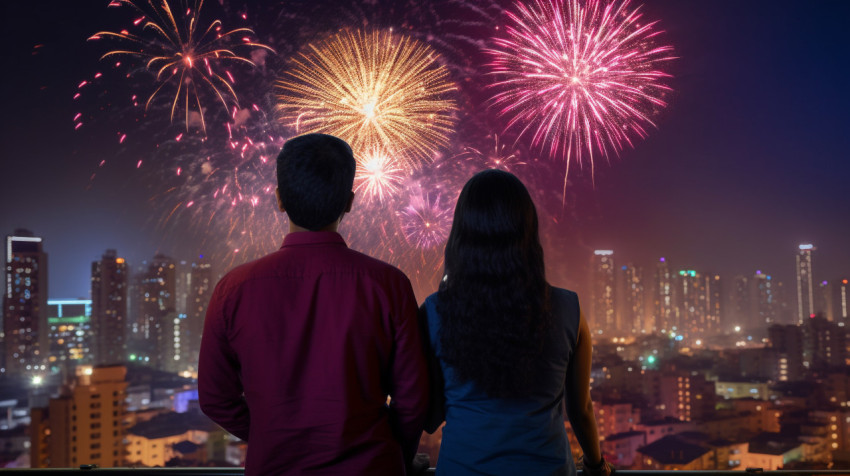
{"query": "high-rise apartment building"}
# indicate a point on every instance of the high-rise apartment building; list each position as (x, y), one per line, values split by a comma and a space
(664, 304)
(109, 309)
(716, 306)
(840, 297)
(631, 300)
(70, 332)
(740, 302)
(787, 340)
(824, 304)
(25, 305)
(158, 319)
(85, 424)
(805, 288)
(765, 309)
(603, 312)
(693, 301)
(824, 344)
(200, 285)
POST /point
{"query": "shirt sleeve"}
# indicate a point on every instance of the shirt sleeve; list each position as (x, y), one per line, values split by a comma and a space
(409, 386)
(220, 391)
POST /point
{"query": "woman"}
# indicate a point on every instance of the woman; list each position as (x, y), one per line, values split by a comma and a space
(507, 349)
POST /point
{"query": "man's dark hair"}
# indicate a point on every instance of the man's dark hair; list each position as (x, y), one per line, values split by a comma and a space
(315, 175)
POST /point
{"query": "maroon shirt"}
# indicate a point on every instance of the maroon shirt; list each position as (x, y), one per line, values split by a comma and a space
(301, 349)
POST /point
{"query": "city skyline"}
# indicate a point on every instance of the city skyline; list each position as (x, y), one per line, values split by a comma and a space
(701, 240)
(745, 162)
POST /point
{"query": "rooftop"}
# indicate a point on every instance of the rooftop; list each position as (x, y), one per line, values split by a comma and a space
(673, 450)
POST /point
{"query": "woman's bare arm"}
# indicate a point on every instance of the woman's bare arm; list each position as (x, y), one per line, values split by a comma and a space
(579, 405)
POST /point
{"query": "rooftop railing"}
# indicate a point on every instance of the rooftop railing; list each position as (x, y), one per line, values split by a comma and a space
(84, 471)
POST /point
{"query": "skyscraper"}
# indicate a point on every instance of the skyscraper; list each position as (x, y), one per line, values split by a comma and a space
(160, 332)
(715, 305)
(25, 305)
(665, 307)
(69, 321)
(740, 300)
(805, 294)
(693, 301)
(840, 296)
(765, 300)
(200, 285)
(602, 306)
(824, 304)
(631, 299)
(109, 309)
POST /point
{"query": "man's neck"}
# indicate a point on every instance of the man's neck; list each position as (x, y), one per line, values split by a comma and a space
(293, 228)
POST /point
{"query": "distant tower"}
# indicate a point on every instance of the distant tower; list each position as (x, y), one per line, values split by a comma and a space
(200, 290)
(841, 294)
(70, 332)
(158, 299)
(715, 306)
(25, 305)
(631, 299)
(805, 294)
(740, 311)
(693, 301)
(109, 309)
(766, 301)
(602, 311)
(665, 307)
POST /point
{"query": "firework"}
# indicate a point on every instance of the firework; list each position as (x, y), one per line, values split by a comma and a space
(425, 222)
(496, 156)
(580, 76)
(372, 89)
(183, 54)
(379, 175)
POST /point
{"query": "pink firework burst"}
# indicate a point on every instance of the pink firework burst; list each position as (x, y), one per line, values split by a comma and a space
(425, 222)
(579, 76)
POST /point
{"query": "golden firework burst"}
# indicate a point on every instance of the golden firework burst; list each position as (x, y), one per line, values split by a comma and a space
(376, 90)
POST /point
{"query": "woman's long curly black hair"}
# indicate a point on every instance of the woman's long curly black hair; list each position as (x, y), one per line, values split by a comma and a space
(494, 299)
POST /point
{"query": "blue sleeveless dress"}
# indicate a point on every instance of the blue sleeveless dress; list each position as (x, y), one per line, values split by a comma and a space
(496, 436)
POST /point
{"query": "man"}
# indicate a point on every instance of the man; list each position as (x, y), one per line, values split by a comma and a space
(301, 348)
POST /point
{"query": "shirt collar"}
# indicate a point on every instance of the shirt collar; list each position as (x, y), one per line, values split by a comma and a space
(299, 238)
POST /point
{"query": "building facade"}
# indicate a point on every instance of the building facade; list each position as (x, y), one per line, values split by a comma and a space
(70, 332)
(665, 307)
(200, 286)
(805, 288)
(25, 329)
(85, 424)
(109, 309)
(632, 300)
(603, 311)
(158, 334)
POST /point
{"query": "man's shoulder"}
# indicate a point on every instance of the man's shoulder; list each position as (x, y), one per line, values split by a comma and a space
(273, 264)
(373, 265)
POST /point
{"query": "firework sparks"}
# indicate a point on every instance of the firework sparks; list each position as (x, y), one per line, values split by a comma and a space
(425, 222)
(184, 54)
(578, 76)
(374, 90)
(379, 175)
(496, 156)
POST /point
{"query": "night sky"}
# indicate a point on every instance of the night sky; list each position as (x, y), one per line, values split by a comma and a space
(749, 159)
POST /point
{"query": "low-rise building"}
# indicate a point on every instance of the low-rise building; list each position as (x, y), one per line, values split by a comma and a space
(156, 441)
(772, 451)
(621, 449)
(672, 453)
